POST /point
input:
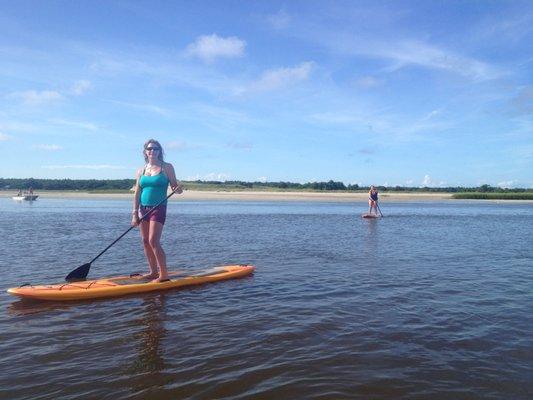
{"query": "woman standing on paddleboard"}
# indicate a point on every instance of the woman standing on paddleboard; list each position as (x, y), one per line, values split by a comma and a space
(150, 189)
(373, 200)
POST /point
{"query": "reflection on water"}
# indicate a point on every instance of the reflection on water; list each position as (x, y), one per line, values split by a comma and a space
(370, 239)
(28, 307)
(150, 359)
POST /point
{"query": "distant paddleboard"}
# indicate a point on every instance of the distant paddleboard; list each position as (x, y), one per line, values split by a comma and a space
(369, 215)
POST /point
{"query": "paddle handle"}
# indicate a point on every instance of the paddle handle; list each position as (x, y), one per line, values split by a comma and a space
(131, 227)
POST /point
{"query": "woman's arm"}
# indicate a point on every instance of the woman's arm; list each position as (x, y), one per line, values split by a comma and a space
(174, 184)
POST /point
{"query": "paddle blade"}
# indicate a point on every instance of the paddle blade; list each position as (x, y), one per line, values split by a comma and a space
(79, 274)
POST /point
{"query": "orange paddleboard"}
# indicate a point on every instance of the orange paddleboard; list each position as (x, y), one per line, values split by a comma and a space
(122, 285)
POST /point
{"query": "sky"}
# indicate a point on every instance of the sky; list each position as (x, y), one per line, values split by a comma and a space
(409, 93)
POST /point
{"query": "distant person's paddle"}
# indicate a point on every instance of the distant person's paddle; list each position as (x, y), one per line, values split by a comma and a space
(80, 273)
(379, 209)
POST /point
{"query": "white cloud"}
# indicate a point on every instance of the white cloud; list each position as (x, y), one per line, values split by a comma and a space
(4, 137)
(429, 182)
(368, 82)
(216, 176)
(220, 113)
(338, 117)
(432, 114)
(404, 52)
(508, 184)
(213, 176)
(240, 146)
(262, 179)
(19, 127)
(181, 145)
(43, 97)
(279, 21)
(48, 147)
(504, 29)
(34, 98)
(74, 124)
(424, 55)
(210, 47)
(399, 127)
(145, 107)
(80, 87)
(278, 78)
(80, 166)
(176, 145)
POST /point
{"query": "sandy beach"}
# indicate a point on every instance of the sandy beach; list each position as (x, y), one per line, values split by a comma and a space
(192, 195)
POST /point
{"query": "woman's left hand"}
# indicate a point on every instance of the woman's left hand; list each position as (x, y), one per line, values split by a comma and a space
(178, 189)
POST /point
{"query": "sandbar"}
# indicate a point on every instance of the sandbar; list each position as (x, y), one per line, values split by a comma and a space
(199, 195)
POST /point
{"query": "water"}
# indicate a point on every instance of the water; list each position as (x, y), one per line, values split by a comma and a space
(432, 301)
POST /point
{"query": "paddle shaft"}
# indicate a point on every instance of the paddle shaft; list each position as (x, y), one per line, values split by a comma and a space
(131, 227)
(377, 205)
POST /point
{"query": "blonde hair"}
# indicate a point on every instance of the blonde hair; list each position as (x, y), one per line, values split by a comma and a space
(155, 142)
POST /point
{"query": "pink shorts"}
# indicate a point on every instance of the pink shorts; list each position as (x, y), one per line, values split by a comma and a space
(158, 215)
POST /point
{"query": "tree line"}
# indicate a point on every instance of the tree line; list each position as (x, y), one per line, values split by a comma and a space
(126, 184)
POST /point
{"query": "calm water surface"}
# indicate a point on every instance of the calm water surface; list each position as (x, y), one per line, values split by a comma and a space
(432, 301)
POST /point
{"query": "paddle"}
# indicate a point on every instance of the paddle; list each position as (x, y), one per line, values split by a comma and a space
(377, 204)
(80, 273)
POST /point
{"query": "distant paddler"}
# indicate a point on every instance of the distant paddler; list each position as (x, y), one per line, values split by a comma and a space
(373, 201)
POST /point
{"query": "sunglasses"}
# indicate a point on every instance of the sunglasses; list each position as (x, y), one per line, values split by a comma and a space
(153, 148)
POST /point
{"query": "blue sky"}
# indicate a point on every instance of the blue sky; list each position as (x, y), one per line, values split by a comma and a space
(392, 93)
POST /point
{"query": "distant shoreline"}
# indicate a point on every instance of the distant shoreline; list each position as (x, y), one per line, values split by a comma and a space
(192, 195)
(221, 195)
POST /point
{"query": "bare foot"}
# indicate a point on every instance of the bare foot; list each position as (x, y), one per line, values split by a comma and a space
(161, 279)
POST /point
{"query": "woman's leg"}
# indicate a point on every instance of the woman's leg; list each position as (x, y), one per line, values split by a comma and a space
(156, 229)
(150, 256)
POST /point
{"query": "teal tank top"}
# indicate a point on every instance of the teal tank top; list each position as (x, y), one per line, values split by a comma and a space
(154, 188)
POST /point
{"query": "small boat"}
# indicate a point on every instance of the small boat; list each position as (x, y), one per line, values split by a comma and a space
(26, 197)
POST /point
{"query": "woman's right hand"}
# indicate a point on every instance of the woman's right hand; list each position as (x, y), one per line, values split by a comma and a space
(134, 220)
